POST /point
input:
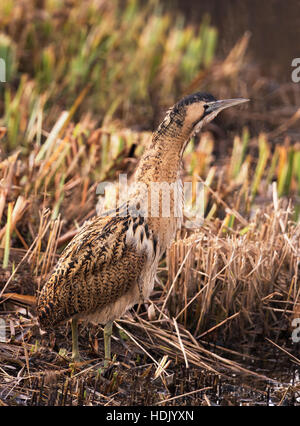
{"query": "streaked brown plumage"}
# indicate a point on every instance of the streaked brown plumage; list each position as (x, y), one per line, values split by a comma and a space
(110, 265)
(99, 257)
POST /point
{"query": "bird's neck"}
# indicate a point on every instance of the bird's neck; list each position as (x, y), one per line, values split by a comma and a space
(162, 161)
(159, 177)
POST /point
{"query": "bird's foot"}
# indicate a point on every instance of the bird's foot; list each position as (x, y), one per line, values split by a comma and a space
(107, 365)
(78, 363)
(76, 359)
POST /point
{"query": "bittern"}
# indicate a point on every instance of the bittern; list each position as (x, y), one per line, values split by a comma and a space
(110, 265)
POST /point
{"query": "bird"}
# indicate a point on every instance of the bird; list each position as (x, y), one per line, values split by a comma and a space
(111, 264)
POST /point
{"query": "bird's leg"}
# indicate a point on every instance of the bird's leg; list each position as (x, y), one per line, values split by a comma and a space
(107, 340)
(75, 350)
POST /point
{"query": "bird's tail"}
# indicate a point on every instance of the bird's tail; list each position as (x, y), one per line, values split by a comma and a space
(50, 308)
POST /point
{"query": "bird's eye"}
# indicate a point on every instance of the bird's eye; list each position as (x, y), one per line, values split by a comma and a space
(207, 110)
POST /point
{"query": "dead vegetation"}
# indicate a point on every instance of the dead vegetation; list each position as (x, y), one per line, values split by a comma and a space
(248, 279)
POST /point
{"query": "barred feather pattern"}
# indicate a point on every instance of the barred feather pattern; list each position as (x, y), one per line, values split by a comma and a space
(112, 258)
(111, 263)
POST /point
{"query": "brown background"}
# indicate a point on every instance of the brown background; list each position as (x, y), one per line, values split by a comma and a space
(274, 25)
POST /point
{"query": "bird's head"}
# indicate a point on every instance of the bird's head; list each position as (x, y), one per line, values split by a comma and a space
(181, 123)
(188, 116)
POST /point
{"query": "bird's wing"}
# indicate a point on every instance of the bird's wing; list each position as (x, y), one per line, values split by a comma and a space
(96, 268)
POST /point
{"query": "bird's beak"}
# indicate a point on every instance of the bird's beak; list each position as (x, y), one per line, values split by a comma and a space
(213, 108)
(217, 106)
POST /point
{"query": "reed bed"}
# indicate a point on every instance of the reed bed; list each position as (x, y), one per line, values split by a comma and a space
(244, 283)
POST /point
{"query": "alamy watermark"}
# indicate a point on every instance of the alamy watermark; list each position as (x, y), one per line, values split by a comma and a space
(157, 199)
(296, 72)
(296, 331)
(2, 71)
(2, 331)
